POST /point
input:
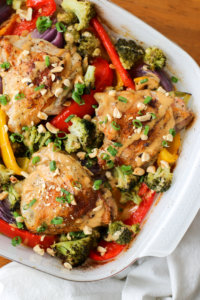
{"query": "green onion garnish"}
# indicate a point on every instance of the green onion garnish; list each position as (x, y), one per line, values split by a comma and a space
(127, 170)
(146, 130)
(118, 145)
(4, 99)
(35, 160)
(153, 116)
(69, 118)
(137, 123)
(147, 100)
(97, 184)
(165, 144)
(30, 204)
(57, 221)
(122, 99)
(16, 241)
(52, 166)
(174, 79)
(172, 131)
(40, 87)
(47, 61)
(19, 96)
(112, 151)
(60, 27)
(115, 125)
(144, 80)
(16, 137)
(5, 65)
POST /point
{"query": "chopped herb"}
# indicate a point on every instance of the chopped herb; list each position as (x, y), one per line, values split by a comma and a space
(57, 144)
(5, 65)
(127, 170)
(165, 144)
(47, 142)
(118, 145)
(47, 61)
(20, 225)
(137, 123)
(110, 164)
(9, 2)
(115, 125)
(77, 98)
(69, 118)
(30, 204)
(60, 27)
(97, 184)
(40, 87)
(174, 79)
(19, 96)
(35, 160)
(94, 106)
(43, 23)
(16, 137)
(122, 99)
(68, 196)
(106, 120)
(52, 166)
(57, 221)
(61, 199)
(105, 156)
(146, 130)
(140, 113)
(16, 241)
(147, 100)
(61, 135)
(112, 151)
(144, 80)
(4, 99)
(172, 131)
(153, 116)
(25, 128)
(42, 228)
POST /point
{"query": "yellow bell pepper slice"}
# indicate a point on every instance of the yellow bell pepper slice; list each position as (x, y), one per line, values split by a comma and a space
(170, 154)
(138, 79)
(175, 145)
(5, 146)
(120, 83)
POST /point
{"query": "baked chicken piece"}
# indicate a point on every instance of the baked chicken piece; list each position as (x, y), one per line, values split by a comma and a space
(37, 78)
(58, 196)
(139, 122)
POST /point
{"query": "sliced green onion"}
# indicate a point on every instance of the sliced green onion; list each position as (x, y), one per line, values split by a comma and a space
(52, 166)
(19, 96)
(122, 99)
(115, 125)
(97, 184)
(4, 99)
(137, 123)
(165, 144)
(147, 100)
(153, 116)
(174, 79)
(30, 204)
(47, 61)
(146, 130)
(69, 118)
(16, 137)
(172, 131)
(35, 160)
(110, 164)
(16, 241)
(63, 135)
(6, 65)
(40, 87)
(42, 228)
(144, 80)
(57, 221)
(112, 151)
(118, 145)
(105, 156)
(77, 98)
(94, 106)
(43, 23)
(140, 113)
(60, 27)
(127, 170)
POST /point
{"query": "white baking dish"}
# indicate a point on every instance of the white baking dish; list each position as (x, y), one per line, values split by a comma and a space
(170, 218)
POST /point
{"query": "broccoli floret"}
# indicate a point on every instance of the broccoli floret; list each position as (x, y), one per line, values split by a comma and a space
(160, 181)
(75, 252)
(43, 137)
(88, 44)
(89, 78)
(130, 196)
(155, 58)
(71, 35)
(5, 175)
(86, 132)
(13, 195)
(30, 138)
(67, 17)
(129, 52)
(72, 143)
(125, 178)
(84, 10)
(119, 233)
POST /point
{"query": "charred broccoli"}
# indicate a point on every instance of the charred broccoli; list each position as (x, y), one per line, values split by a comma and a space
(71, 35)
(131, 196)
(86, 133)
(119, 233)
(75, 252)
(125, 178)
(87, 44)
(13, 194)
(160, 181)
(68, 17)
(5, 175)
(155, 58)
(84, 11)
(129, 52)
(72, 143)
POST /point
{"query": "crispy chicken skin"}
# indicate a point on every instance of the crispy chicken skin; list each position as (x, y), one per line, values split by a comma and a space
(88, 207)
(28, 70)
(133, 141)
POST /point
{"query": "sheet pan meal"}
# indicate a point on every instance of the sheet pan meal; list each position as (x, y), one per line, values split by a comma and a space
(89, 131)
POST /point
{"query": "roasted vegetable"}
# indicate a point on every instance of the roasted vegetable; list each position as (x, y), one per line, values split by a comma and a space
(125, 178)
(71, 35)
(5, 175)
(155, 58)
(90, 77)
(120, 233)
(13, 194)
(72, 143)
(88, 43)
(75, 252)
(67, 17)
(129, 52)
(84, 11)
(86, 132)
(131, 196)
(160, 181)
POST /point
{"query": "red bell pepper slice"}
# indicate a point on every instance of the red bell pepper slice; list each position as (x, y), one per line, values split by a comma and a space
(28, 238)
(40, 8)
(114, 249)
(128, 82)
(147, 196)
(103, 78)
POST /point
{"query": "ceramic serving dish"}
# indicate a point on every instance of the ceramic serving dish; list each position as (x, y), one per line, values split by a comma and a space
(170, 218)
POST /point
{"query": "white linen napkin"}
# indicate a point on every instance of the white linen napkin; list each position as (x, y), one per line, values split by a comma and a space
(174, 277)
